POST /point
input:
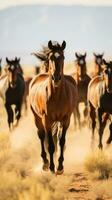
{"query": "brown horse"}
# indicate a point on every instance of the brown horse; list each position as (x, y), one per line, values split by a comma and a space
(82, 79)
(98, 59)
(100, 101)
(53, 97)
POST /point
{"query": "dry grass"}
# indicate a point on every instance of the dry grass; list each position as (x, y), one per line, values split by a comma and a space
(98, 165)
(102, 190)
(18, 181)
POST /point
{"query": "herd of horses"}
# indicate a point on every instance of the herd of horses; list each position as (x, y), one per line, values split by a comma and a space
(54, 97)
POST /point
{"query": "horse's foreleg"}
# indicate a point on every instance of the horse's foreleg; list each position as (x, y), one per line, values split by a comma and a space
(75, 118)
(10, 114)
(41, 135)
(18, 112)
(62, 144)
(86, 110)
(51, 150)
(92, 119)
(102, 124)
(78, 116)
(110, 137)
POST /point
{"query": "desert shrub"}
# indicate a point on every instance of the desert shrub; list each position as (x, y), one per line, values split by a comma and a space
(98, 165)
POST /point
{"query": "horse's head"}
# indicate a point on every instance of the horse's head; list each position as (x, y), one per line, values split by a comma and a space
(81, 63)
(56, 61)
(98, 58)
(107, 74)
(12, 71)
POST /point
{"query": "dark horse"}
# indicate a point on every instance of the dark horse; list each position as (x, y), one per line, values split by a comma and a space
(0, 66)
(98, 58)
(53, 97)
(100, 101)
(12, 90)
(82, 80)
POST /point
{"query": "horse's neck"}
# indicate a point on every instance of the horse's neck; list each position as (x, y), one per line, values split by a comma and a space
(81, 76)
(98, 69)
(55, 92)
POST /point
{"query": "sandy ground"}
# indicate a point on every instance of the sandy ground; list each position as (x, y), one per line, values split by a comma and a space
(74, 183)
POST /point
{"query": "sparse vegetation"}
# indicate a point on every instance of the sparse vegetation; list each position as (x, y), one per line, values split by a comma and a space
(19, 182)
(98, 165)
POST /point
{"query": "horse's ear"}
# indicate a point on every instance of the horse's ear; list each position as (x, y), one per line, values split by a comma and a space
(50, 44)
(94, 54)
(63, 45)
(85, 54)
(102, 54)
(76, 54)
(18, 60)
(104, 62)
(7, 60)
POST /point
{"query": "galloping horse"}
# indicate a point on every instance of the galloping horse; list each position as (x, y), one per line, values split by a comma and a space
(82, 80)
(53, 97)
(12, 90)
(100, 101)
(0, 66)
(98, 58)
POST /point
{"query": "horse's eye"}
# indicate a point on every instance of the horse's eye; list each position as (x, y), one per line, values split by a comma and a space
(106, 71)
(52, 57)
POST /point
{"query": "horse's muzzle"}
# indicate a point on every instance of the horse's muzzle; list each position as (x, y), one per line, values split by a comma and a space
(12, 84)
(109, 91)
(56, 80)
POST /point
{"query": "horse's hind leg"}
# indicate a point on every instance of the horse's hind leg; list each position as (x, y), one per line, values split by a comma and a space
(18, 112)
(10, 114)
(41, 135)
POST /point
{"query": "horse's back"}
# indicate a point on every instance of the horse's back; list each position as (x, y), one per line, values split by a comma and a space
(3, 85)
(95, 89)
(38, 79)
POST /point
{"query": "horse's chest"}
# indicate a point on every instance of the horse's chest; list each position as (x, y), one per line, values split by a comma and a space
(57, 110)
(106, 102)
(12, 95)
(82, 90)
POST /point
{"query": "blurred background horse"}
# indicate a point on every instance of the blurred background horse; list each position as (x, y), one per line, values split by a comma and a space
(82, 80)
(12, 90)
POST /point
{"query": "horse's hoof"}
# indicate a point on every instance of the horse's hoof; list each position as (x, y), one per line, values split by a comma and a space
(45, 167)
(109, 141)
(60, 172)
(100, 147)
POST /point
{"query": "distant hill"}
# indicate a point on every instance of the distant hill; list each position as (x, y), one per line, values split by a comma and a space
(24, 29)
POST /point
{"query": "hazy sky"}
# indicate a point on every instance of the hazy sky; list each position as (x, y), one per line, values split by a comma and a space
(8, 3)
